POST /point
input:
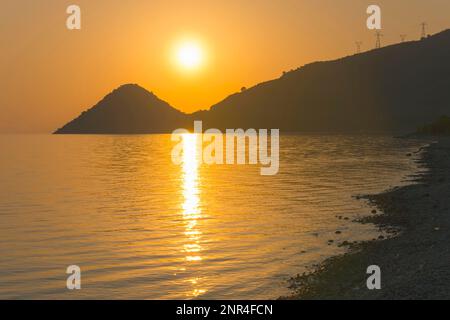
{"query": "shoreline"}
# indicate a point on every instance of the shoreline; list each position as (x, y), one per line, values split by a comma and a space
(414, 258)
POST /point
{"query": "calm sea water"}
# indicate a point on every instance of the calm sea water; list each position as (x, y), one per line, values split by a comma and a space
(141, 227)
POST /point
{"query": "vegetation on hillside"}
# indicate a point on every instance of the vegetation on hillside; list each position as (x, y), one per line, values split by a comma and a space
(440, 127)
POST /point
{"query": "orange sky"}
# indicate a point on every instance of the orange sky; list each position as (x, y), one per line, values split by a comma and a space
(48, 74)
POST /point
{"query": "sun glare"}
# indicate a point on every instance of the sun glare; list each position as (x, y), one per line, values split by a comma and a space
(189, 55)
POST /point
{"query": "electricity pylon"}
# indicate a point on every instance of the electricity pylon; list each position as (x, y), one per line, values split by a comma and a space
(378, 43)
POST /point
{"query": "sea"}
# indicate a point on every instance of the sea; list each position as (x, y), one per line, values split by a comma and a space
(139, 226)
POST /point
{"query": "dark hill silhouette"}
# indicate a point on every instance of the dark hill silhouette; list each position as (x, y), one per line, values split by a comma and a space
(129, 109)
(395, 88)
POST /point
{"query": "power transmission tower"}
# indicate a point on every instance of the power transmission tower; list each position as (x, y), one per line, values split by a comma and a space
(378, 43)
(403, 37)
(424, 30)
(358, 46)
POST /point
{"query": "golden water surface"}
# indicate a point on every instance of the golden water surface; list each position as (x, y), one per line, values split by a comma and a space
(141, 227)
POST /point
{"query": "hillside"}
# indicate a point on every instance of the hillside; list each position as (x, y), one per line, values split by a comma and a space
(396, 88)
(129, 109)
(440, 127)
(392, 89)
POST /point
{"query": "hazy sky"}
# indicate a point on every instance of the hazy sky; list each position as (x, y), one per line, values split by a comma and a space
(48, 74)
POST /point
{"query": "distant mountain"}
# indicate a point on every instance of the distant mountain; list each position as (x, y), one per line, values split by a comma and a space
(395, 88)
(129, 109)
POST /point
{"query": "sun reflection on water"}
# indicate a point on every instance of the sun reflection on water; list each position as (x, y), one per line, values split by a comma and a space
(191, 205)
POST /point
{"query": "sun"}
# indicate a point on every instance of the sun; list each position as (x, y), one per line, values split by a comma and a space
(189, 55)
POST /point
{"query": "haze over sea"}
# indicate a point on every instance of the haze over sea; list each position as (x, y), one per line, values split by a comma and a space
(142, 228)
